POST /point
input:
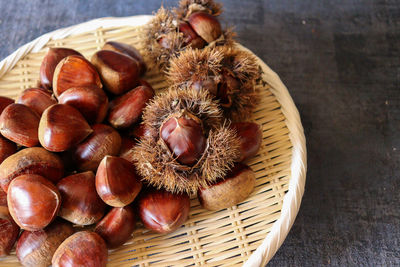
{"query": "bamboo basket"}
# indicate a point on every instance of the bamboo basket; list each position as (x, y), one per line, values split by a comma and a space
(247, 234)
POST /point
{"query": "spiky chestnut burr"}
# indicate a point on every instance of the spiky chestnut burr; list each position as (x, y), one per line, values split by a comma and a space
(187, 7)
(228, 73)
(156, 159)
(169, 33)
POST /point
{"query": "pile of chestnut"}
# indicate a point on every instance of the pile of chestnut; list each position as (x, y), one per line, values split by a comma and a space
(66, 159)
(64, 154)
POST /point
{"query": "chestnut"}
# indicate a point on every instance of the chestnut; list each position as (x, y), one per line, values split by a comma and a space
(9, 231)
(139, 131)
(74, 71)
(53, 57)
(91, 101)
(129, 51)
(37, 99)
(19, 124)
(117, 226)
(250, 135)
(4, 102)
(190, 36)
(183, 135)
(37, 248)
(33, 201)
(119, 72)
(34, 160)
(234, 188)
(127, 145)
(81, 249)
(117, 182)
(163, 211)
(62, 127)
(205, 25)
(81, 204)
(7, 148)
(127, 109)
(3, 198)
(104, 140)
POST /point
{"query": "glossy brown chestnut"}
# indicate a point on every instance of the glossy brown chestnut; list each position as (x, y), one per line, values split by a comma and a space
(119, 72)
(190, 36)
(127, 145)
(34, 160)
(4, 102)
(9, 231)
(80, 203)
(183, 135)
(139, 131)
(163, 211)
(7, 148)
(129, 51)
(37, 99)
(36, 248)
(81, 249)
(74, 71)
(117, 182)
(53, 57)
(3, 198)
(62, 127)
(91, 102)
(117, 226)
(250, 135)
(234, 188)
(206, 26)
(33, 201)
(127, 109)
(19, 124)
(103, 141)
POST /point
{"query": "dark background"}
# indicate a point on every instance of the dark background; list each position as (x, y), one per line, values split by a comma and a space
(341, 63)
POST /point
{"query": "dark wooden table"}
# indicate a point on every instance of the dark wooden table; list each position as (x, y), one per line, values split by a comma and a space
(341, 63)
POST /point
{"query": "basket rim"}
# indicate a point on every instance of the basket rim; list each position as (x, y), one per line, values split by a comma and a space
(292, 199)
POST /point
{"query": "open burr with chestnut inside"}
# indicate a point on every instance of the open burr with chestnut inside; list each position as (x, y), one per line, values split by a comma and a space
(189, 145)
(193, 24)
(226, 72)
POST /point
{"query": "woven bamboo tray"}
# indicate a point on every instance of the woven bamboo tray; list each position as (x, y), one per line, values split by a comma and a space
(247, 234)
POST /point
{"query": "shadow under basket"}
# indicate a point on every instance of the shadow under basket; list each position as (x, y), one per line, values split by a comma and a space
(247, 234)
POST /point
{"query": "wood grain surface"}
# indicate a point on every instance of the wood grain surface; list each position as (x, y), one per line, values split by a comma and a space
(340, 61)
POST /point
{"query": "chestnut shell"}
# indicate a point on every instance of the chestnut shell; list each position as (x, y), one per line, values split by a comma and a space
(81, 204)
(117, 182)
(36, 248)
(37, 99)
(235, 187)
(33, 201)
(61, 127)
(103, 141)
(117, 226)
(33, 160)
(83, 248)
(19, 124)
(163, 211)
